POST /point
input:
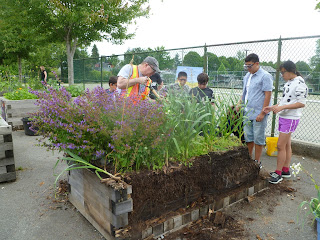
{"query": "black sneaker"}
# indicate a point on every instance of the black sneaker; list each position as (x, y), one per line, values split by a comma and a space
(286, 174)
(275, 178)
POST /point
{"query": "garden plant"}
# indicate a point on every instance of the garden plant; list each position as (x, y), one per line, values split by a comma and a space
(120, 135)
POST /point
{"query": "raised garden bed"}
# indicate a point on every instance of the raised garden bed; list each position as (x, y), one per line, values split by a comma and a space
(7, 165)
(14, 110)
(155, 203)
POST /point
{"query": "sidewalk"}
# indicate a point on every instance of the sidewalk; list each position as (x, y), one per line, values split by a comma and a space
(29, 210)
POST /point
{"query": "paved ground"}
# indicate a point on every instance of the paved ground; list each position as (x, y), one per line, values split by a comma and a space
(29, 211)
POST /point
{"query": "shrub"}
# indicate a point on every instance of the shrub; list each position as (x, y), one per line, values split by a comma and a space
(97, 125)
(20, 94)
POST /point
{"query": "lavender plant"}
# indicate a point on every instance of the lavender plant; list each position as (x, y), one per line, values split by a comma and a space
(97, 125)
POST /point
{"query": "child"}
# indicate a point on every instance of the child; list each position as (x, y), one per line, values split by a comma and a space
(202, 91)
(112, 85)
(290, 110)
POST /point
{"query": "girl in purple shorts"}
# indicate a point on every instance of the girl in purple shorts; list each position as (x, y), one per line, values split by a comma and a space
(290, 110)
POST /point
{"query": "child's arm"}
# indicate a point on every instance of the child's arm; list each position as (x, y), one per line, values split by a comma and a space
(268, 109)
(289, 106)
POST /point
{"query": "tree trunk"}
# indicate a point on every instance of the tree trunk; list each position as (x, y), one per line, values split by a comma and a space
(71, 48)
(20, 69)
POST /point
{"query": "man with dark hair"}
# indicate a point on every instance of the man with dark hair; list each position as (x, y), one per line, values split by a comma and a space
(257, 89)
(202, 91)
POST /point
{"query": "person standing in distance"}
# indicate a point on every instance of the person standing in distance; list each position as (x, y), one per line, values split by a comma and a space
(44, 74)
(257, 90)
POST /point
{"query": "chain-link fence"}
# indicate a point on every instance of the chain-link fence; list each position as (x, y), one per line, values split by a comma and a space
(224, 65)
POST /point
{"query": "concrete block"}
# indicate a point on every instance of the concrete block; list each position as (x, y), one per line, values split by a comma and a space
(186, 218)
(146, 233)
(168, 225)
(177, 221)
(204, 210)
(158, 230)
(195, 214)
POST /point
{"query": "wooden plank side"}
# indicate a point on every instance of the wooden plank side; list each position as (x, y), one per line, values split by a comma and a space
(82, 210)
(105, 190)
(21, 112)
(122, 207)
(6, 146)
(114, 195)
(3, 169)
(8, 177)
(19, 103)
(6, 161)
(5, 130)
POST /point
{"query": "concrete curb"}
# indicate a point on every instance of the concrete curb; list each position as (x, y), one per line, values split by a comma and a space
(305, 149)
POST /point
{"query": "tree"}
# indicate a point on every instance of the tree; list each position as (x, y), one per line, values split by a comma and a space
(213, 62)
(95, 52)
(222, 69)
(159, 53)
(16, 36)
(177, 61)
(241, 56)
(193, 59)
(303, 66)
(77, 23)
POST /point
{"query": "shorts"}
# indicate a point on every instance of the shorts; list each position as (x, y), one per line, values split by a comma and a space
(288, 125)
(255, 131)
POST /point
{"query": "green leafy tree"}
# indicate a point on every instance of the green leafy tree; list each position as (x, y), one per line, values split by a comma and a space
(302, 66)
(95, 52)
(241, 56)
(16, 36)
(222, 69)
(213, 62)
(193, 59)
(159, 53)
(223, 60)
(77, 23)
(177, 61)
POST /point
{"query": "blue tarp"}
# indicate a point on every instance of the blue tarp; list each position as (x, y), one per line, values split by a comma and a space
(192, 72)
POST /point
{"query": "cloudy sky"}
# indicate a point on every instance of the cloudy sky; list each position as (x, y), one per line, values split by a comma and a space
(181, 23)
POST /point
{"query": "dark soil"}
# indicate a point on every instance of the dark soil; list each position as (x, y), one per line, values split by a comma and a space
(208, 228)
(210, 176)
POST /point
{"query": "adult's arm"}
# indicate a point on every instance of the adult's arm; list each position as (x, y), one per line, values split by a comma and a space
(123, 83)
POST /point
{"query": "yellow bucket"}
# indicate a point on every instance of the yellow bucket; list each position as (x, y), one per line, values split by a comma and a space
(271, 147)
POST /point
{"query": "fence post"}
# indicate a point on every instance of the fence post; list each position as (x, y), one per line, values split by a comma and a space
(275, 99)
(205, 56)
(101, 70)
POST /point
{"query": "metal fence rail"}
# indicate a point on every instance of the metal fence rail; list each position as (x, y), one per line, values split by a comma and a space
(224, 65)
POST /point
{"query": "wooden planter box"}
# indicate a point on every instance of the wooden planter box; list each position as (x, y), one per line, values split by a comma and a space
(114, 212)
(7, 166)
(104, 207)
(14, 110)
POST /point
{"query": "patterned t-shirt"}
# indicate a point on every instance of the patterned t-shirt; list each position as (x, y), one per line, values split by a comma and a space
(294, 91)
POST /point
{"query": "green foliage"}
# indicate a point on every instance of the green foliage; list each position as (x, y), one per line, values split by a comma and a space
(193, 59)
(222, 69)
(75, 90)
(20, 94)
(94, 51)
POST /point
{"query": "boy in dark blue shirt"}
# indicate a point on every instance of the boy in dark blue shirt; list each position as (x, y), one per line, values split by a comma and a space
(202, 91)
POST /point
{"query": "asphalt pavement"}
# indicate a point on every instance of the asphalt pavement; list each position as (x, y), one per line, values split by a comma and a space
(29, 210)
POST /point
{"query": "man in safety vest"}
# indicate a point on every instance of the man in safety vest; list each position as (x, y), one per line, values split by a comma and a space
(133, 79)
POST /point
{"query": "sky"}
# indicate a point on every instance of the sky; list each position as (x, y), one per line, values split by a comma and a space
(182, 23)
